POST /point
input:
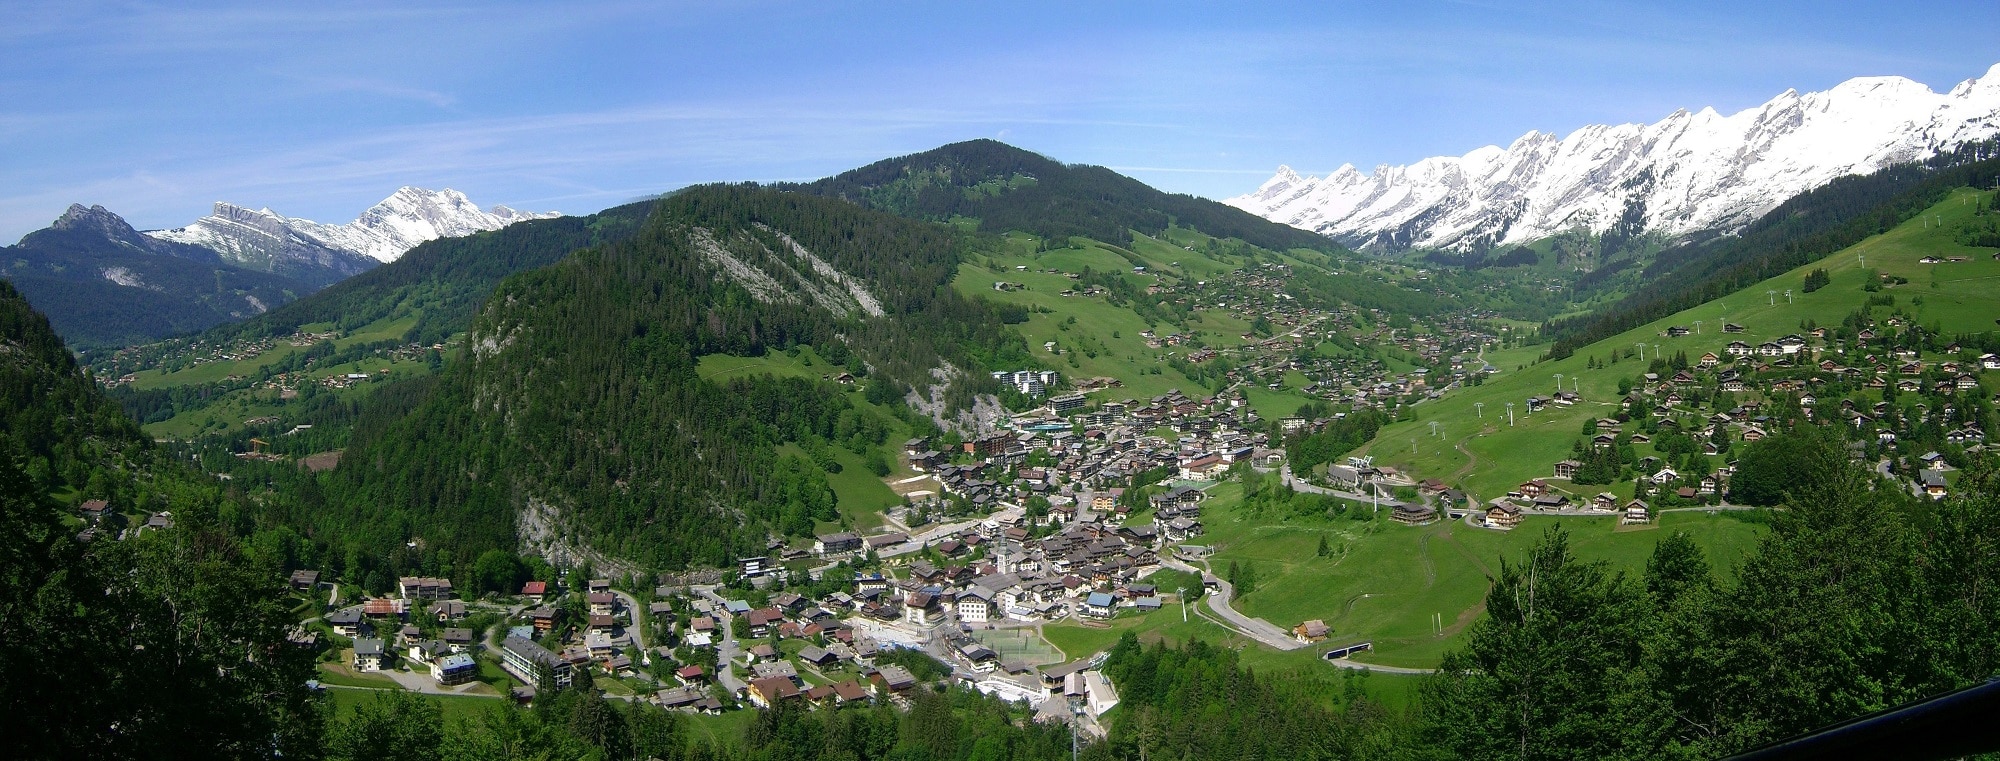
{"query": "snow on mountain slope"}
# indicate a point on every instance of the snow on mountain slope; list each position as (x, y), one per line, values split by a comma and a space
(412, 216)
(1685, 173)
(383, 232)
(261, 240)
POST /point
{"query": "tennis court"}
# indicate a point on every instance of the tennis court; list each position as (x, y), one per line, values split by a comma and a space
(1025, 645)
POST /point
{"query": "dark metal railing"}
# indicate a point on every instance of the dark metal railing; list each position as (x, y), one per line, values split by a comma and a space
(1952, 725)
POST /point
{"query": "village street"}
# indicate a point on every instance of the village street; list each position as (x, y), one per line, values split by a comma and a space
(638, 628)
(919, 540)
(725, 652)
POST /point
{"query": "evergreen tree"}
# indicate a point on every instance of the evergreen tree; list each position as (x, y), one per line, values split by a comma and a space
(1558, 635)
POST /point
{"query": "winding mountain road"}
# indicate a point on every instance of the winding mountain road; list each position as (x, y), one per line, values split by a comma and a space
(1249, 626)
(1255, 628)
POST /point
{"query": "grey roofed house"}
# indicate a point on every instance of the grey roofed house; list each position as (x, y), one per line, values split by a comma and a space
(880, 541)
(780, 668)
(522, 656)
(455, 669)
(976, 652)
(816, 656)
(681, 697)
(348, 616)
(367, 646)
(896, 678)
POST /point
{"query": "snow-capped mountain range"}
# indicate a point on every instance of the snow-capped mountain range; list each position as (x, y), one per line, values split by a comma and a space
(1688, 172)
(382, 233)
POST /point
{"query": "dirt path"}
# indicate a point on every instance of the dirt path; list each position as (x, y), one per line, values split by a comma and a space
(1468, 554)
(1470, 460)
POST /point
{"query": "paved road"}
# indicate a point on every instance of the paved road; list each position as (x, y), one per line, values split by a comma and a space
(916, 543)
(638, 629)
(725, 653)
(421, 681)
(1359, 666)
(1301, 485)
(1218, 601)
(1256, 628)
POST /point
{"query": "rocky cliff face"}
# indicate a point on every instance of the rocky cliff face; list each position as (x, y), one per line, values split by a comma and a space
(1689, 172)
(260, 240)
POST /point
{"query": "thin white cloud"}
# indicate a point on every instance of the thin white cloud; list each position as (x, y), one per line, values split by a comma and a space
(373, 87)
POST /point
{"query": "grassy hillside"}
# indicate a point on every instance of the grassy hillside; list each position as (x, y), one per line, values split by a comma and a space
(1481, 453)
(1383, 582)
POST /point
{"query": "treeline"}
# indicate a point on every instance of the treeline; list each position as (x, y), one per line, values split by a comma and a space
(1007, 188)
(1806, 228)
(1315, 286)
(1473, 261)
(53, 422)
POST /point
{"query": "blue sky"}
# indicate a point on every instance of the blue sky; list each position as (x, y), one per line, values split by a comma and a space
(157, 110)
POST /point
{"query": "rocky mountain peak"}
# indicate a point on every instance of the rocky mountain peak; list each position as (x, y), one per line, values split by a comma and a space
(95, 219)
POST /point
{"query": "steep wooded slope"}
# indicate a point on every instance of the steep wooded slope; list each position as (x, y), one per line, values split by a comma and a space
(574, 420)
(168, 644)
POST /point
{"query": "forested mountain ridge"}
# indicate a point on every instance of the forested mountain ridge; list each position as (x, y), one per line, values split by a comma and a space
(168, 644)
(573, 421)
(103, 283)
(443, 281)
(51, 415)
(1007, 188)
